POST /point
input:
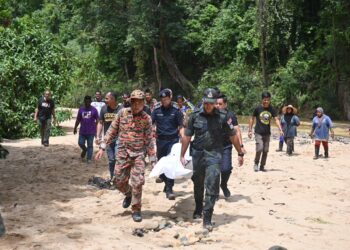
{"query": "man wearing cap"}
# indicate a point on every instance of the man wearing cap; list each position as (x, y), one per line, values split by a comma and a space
(289, 122)
(134, 130)
(169, 124)
(210, 127)
(87, 118)
(263, 115)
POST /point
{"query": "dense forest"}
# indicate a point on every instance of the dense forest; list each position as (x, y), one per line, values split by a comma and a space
(299, 50)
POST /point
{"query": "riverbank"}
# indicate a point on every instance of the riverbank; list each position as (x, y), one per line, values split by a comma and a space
(299, 203)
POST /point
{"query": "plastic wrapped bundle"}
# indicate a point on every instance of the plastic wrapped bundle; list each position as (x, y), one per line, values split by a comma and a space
(171, 166)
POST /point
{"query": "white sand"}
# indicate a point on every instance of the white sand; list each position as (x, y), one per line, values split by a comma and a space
(300, 203)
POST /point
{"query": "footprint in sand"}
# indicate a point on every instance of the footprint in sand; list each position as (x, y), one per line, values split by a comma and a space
(74, 235)
(15, 237)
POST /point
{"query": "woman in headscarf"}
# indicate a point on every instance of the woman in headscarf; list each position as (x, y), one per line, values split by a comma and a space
(289, 121)
(321, 125)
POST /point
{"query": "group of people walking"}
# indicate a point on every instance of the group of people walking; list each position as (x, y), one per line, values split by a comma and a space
(141, 126)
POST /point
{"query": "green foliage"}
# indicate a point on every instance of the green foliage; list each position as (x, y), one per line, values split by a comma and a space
(290, 83)
(63, 115)
(31, 128)
(240, 84)
(31, 61)
(77, 47)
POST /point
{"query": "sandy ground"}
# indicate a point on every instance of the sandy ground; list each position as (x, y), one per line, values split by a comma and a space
(300, 203)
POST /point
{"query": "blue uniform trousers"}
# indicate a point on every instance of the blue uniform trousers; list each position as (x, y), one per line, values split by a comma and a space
(163, 149)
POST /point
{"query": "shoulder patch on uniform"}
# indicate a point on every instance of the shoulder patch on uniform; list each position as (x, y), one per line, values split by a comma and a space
(157, 105)
(174, 104)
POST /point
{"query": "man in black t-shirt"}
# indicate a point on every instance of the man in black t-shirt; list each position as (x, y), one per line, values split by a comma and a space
(43, 113)
(107, 115)
(263, 115)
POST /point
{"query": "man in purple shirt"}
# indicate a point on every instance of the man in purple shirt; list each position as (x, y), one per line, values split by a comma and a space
(87, 117)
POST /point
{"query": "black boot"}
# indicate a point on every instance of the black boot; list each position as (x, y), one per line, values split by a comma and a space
(2, 227)
(207, 220)
(127, 201)
(224, 179)
(317, 152)
(197, 214)
(280, 146)
(326, 153)
(169, 192)
(289, 147)
(136, 216)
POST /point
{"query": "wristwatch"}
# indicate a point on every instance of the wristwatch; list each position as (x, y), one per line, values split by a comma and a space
(241, 154)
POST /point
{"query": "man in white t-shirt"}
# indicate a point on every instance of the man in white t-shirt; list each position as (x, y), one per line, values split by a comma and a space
(98, 103)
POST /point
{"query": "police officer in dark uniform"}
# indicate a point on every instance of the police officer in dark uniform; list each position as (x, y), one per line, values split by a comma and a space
(210, 127)
(169, 122)
(226, 165)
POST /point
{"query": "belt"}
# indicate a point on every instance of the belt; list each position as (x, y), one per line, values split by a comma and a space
(167, 137)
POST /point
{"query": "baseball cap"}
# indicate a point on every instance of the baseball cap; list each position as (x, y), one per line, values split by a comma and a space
(137, 94)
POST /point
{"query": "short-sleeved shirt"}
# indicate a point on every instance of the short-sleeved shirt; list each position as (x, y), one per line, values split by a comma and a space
(87, 118)
(168, 120)
(321, 125)
(98, 105)
(107, 115)
(209, 130)
(232, 119)
(263, 119)
(45, 108)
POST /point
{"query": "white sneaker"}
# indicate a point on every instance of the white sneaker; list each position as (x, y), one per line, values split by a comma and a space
(256, 167)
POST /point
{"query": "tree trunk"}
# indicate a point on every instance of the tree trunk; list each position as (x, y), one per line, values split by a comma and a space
(155, 56)
(262, 27)
(126, 71)
(173, 69)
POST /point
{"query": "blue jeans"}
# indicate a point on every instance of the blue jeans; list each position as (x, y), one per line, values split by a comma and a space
(90, 144)
(112, 150)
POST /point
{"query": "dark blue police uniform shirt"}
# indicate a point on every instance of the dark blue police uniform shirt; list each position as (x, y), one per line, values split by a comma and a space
(167, 121)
